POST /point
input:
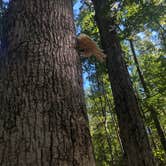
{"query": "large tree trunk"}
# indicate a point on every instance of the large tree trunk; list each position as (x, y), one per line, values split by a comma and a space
(151, 109)
(132, 131)
(42, 110)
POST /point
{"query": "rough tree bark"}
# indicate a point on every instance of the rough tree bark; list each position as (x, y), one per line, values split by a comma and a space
(132, 131)
(151, 109)
(42, 110)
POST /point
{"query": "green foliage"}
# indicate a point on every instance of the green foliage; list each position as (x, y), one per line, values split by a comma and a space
(152, 62)
(135, 17)
(153, 65)
(86, 22)
(103, 123)
(160, 155)
(144, 23)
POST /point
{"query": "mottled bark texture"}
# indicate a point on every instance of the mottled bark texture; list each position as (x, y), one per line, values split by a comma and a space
(132, 131)
(42, 110)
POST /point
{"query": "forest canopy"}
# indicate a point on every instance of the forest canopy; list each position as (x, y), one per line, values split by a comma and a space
(44, 119)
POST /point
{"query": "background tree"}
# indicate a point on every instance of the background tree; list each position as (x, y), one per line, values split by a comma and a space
(128, 10)
(132, 131)
(151, 109)
(42, 116)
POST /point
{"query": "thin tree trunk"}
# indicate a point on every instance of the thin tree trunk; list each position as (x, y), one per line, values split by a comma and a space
(151, 108)
(111, 111)
(109, 139)
(132, 131)
(42, 109)
(147, 127)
